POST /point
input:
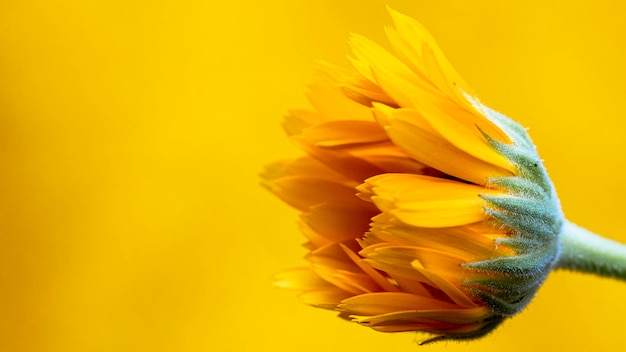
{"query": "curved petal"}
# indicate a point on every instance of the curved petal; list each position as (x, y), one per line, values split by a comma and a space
(389, 302)
(409, 131)
(426, 201)
(314, 290)
(462, 130)
(337, 222)
(417, 46)
(441, 272)
(452, 316)
(327, 298)
(299, 279)
(356, 149)
(330, 260)
(380, 279)
(418, 49)
(473, 242)
(327, 97)
(304, 192)
(343, 133)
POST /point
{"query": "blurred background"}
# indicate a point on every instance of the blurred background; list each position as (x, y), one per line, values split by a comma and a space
(132, 134)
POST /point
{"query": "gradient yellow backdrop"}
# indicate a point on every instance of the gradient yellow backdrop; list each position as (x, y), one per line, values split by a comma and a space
(132, 133)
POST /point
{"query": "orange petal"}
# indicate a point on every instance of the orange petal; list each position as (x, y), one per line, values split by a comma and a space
(409, 131)
(440, 263)
(460, 128)
(303, 192)
(381, 280)
(339, 221)
(327, 298)
(303, 166)
(358, 281)
(344, 133)
(452, 316)
(438, 269)
(462, 241)
(331, 263)
(416, 46)
(299, 279)
(388, 157)
(390, 302)
(425, 201)
(451, 290)
(412, 286)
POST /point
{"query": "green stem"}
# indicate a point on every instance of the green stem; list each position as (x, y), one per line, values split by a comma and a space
(584, 251)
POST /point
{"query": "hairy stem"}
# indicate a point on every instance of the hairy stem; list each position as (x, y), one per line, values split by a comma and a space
(584, 251)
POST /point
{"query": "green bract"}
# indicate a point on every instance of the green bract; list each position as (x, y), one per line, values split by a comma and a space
(531, 210)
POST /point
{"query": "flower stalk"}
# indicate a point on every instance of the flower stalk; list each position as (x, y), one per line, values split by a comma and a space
(584, 251)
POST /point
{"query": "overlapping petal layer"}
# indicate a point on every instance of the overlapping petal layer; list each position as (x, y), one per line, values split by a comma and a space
(397, 190)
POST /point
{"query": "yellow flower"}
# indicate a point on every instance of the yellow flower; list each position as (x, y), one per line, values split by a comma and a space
(454, 224)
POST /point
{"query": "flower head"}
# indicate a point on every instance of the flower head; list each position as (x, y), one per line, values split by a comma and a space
(424, 210)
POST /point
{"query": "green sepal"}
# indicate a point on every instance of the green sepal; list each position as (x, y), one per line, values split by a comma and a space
(532, 263)
(523, 225)
(526, 161)
(503, 283)
(516, 132)
(487, 326)
(518, 186)
(520, 244)
(531, 213)
(532, 207)
(504, 307)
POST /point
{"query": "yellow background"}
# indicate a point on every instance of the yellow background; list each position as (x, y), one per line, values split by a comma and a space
(132, 133)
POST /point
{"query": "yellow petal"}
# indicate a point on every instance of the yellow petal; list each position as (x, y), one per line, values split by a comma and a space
(333, 144)
(389, 302)
(316, 240)
(461, 129)
(411, 286)
(354, 85)
(299, 279)
(388, 157)
(405, 88)
(303, 166)
(451, 290)
(419, 51)
(327, 298)
(367, 54)
(425, 201)
(299, 119)
(395, 79)
(408, 130)
(392, 75)
(338, 221)
(413, 42)
(442, 264)
(344, 133)
(366, 96)
(429, 326)
(381, 280)
(303, 192)
(462, 241)
(327, 97)
(404, 262)
(452, 316)
(358, 281)
(333, 265)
